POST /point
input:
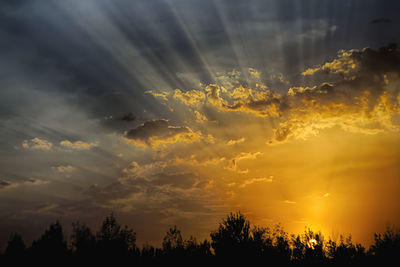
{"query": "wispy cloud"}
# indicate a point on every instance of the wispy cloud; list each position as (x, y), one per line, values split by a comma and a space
(77, 145)
(257, 180)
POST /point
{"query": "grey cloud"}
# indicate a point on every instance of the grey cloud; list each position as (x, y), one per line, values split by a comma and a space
(128, 117)
(5, 184)
(381, 20)
(158, 129)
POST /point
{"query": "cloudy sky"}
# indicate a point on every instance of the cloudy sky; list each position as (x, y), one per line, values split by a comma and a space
(180, 111)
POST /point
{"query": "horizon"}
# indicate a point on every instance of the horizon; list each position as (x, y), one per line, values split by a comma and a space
(170, 112)
(140, 244)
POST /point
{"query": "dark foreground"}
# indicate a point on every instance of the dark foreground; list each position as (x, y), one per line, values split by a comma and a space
(235, 242)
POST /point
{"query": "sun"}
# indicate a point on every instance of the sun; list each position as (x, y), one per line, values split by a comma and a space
(312, 243)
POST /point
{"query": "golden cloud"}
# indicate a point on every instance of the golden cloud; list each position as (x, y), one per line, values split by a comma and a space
(158, 132)
(237, 141)
(257, 180)
(77, 145)
(65, 170)
(344, 64)
(261, 103)
(190, 98)
(200, 118)
(163, 94)
(233, 163)
(37, 144)
(363, 98)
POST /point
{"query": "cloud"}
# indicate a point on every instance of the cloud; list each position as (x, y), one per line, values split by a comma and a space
(128, 117)
(363, 100)
(381, 21)
(145, 171)
(237, 141)
(257, 180)
(191, 97)
(34, 181)
(344, 64)
(233, 163)
(163, 95)
(260, 102)
(65, 170)
(193, 161)
(31, 181)
(289, 202)
(355, 91)
(77, 145)
(159, 132)
(254, 73)
(200, 118)
(44, 209)
(154, 186)
(37, 144)
(6, 184)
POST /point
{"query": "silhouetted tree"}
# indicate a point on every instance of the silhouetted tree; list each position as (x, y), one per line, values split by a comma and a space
(298, 248)
(197, 250)
(232, 238)
(115, 241)
(345, 253)
(235, 241)
(281, 245)
(386, 248)
(314, 243)
(15, 247)
(83, 241)
(148, 251)
(172, 244)
(51, 244)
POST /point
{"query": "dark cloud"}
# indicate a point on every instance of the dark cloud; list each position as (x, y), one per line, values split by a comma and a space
(155, 128)
(5, 184)
(381, 21)
(128, 117)
(159, 131)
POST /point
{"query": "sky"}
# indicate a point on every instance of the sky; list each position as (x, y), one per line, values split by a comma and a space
(177, 112)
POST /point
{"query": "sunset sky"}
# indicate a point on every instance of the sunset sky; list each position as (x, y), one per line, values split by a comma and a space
(177, 112)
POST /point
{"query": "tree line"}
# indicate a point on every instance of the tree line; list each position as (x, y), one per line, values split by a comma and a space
(235, 240)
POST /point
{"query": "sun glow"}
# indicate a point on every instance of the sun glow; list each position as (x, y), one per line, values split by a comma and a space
(312, 243)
